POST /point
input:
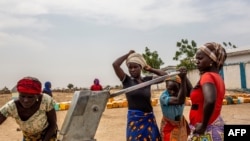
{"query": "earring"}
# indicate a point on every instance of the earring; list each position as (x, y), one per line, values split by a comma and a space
(211, 65)
(37, 99)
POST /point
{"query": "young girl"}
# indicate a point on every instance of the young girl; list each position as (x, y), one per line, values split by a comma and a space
(174, 125)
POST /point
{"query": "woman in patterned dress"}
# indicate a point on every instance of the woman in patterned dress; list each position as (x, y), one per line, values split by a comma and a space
(207, 96)
(141, 123)
(33, 111)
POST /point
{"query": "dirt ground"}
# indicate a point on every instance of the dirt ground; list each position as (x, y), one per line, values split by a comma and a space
(113, 121)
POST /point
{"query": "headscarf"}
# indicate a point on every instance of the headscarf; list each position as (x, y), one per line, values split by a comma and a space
(136, 58)
(96, 81)
(216, 52)
(47, 84)
(29, 85)
(47, 87)
(175, 78)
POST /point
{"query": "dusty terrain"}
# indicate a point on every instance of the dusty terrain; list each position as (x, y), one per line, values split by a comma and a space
(113, 121)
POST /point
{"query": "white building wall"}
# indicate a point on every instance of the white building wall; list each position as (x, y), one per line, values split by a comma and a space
(247, 70)
(232, 76)
(193, 76)
(237, 59)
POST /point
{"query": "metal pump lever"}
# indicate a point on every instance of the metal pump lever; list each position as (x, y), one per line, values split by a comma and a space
(86, 108)
(141, 85)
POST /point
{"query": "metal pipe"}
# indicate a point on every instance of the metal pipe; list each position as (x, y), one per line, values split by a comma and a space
(144, 84)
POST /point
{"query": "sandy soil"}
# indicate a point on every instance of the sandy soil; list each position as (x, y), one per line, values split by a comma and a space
(113, 122)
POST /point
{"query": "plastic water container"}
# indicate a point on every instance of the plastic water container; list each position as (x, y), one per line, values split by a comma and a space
(57, 106)
(64, 105)
(14, 95)
(241, 100)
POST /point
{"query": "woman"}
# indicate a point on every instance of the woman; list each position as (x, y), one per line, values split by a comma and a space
(207, 96)
(174, 125)
(96, 86)
(33, 111)
(141, 123)
(47, 88)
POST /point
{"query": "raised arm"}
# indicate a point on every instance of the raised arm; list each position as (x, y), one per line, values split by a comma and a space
(158, 72)
(117, 65)
(180, 99)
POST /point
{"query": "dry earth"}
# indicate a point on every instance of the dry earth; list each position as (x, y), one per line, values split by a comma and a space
(113, 121)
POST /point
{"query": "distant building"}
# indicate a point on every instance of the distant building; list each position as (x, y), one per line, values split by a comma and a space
(238, 55)
(236, 71)
(169, 69)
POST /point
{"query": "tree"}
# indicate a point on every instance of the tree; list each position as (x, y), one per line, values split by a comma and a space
(152, 58)
(186, 53)
(5, 90)
(70, 86)
(229, 45)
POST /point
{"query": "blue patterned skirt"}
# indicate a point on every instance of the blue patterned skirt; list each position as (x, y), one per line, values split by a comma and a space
(142, 126)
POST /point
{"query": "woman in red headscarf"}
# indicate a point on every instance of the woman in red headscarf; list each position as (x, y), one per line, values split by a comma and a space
(33, 111)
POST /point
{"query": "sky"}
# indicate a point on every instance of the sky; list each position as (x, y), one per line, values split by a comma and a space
(76, 41)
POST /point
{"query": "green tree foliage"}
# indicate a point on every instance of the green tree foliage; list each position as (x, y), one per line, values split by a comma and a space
(229, 45)
(185, 53)
(70, 86)
(152, 58)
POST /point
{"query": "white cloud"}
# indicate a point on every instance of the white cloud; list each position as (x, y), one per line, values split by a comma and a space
(31, 23)
(19, 41)
(137, 14)
(140, 14)
(235, 27)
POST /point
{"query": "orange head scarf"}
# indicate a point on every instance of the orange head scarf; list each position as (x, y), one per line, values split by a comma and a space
(175, 78)
(29, 85)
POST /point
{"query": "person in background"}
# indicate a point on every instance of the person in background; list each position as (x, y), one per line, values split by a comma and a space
(33, 111)
(207, 96)
(47, 88)
(141, 122)
(173, 124)
(96, 86)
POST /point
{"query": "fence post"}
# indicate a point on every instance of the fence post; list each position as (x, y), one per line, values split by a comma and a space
(243, 76)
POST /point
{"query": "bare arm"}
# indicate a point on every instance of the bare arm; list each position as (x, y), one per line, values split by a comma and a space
(158, 72)
(117, 65)
(209, 93)
(180, 99)
(52, 124)
(189, 87)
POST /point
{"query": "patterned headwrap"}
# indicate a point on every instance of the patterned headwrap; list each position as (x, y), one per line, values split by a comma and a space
(175, 78)
(29, 85)
(136, 58)
(215, 51)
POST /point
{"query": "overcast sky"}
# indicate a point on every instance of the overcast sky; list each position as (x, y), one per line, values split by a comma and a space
(75, 41)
